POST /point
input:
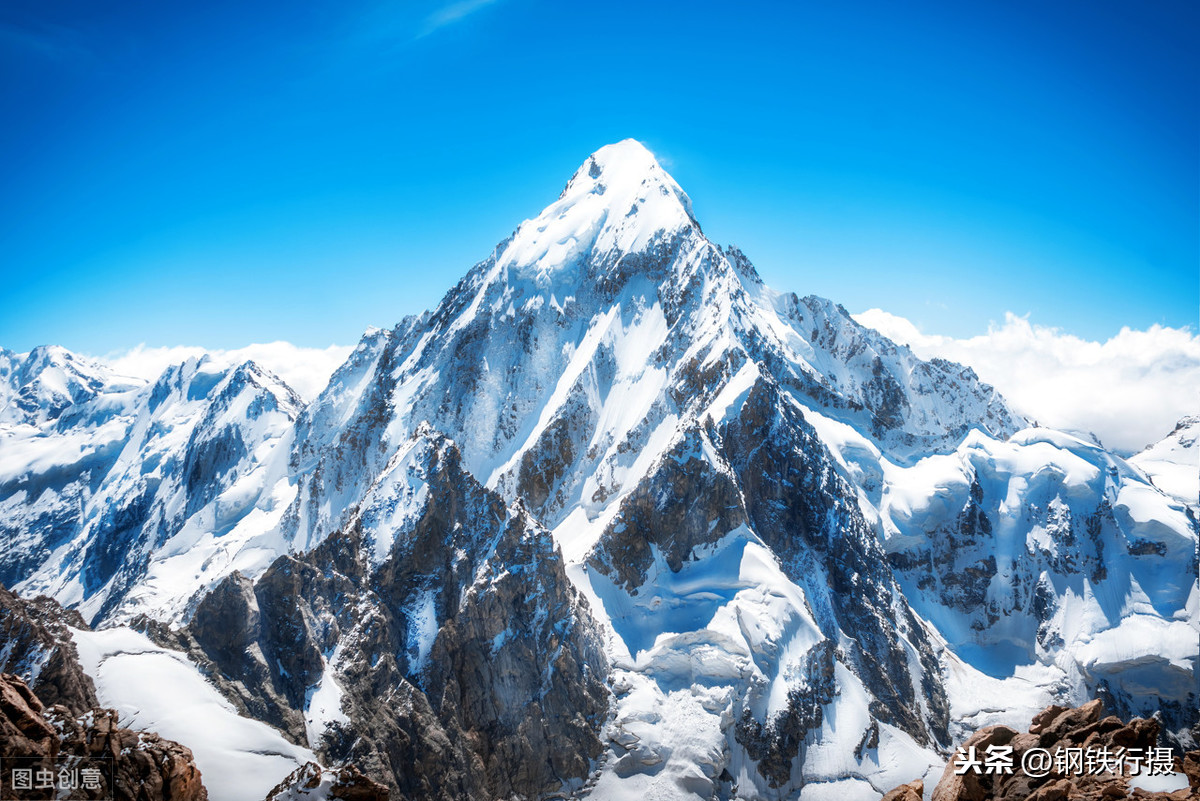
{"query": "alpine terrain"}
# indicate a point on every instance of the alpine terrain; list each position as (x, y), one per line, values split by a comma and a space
(614, 520)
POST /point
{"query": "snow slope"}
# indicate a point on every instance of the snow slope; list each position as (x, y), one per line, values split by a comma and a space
(1173, 463)
(159, 690)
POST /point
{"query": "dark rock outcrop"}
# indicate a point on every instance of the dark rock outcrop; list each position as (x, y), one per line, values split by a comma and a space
(137, 766)
(1057, 729)
(36, 646)
(310, 780)
(468, 665)
(776, 745)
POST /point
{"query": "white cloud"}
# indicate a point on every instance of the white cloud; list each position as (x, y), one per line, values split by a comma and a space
(305, 370)
(1129, 390)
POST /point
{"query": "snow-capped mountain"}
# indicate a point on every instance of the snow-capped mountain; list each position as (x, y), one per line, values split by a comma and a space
(1173, 463)
(37, 387)
(91, 496)
(714, 538)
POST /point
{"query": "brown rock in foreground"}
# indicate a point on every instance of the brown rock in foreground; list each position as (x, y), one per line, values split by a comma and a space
(1056, 729)
(311, 781)
(913, 791)
(139, 766)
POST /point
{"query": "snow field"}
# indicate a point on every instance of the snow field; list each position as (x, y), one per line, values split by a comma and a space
(159, 690)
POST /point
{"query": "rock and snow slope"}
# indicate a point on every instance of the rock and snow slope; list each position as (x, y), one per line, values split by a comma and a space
(807, 551)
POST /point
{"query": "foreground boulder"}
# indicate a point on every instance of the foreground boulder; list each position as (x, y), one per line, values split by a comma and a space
(913, 791)
(311, 782)
(1068, 754)
(107, 761)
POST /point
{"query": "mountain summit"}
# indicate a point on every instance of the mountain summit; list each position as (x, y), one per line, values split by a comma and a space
(615, 519)
(634, 183)
(619, 204)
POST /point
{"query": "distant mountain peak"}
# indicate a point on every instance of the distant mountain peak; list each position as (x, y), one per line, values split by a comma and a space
(40, 385)
(1171, 462)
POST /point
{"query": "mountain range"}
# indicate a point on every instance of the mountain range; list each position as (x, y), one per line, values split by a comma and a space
(614, 518)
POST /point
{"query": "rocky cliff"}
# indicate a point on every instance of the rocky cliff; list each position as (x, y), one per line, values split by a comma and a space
(456, 661)
(130, 765)
(35, 645)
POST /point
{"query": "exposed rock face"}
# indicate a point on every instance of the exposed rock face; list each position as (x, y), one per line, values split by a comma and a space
(138, 766)
(768, 469)
(311, 782)
(686, 503)
(809, 517)
(777, 745)
(913, 791)
(461, 661)
(36, 646)
(1056, 729)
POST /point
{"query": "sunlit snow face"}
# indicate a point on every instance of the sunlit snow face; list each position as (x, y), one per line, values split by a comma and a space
(617, 202)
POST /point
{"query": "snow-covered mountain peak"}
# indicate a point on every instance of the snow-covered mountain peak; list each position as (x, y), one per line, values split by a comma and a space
(619, 202)
(626, 152)
(1173, 463)
(622, 166)
(40, 385)
(812, 560)
(1186, 431)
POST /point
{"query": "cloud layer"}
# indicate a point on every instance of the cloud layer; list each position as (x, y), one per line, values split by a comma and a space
(305, 370)
(1129, 390)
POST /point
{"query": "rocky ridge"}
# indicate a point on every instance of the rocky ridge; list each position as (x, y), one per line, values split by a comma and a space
(311, 782)
(35, 645)
(461, 664)
(1171, 462)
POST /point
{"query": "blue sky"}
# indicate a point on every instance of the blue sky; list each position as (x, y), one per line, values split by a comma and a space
(224, 173)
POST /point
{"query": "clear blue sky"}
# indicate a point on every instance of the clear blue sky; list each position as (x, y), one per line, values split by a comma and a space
(222, 173)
